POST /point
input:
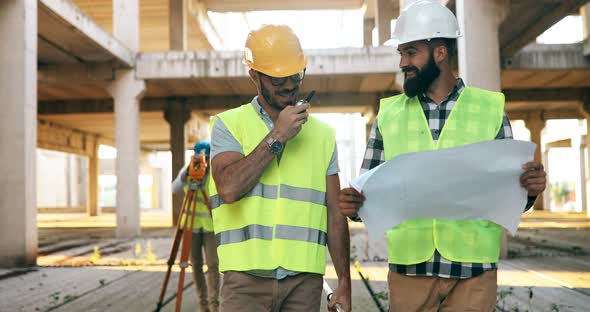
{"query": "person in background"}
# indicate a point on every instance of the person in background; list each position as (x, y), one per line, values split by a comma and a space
(203, 237)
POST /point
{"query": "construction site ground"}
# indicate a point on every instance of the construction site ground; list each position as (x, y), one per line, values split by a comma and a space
(82, 267)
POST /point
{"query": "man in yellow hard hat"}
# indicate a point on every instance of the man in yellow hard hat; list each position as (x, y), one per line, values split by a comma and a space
(275, 196)
(438, 265)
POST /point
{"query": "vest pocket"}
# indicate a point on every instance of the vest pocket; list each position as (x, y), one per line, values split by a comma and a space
(476, 241)
(411, 242)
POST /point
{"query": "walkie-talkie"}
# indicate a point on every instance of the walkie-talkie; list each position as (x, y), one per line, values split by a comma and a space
(307, 99)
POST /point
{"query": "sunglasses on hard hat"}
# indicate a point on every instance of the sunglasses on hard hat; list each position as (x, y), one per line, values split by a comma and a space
(279, 81)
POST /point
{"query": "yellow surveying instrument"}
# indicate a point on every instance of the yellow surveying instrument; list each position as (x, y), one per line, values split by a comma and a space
(195, 180)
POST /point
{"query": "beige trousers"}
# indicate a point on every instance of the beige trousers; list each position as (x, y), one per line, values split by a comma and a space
(413, 293)
(207, 293)
(243, 292)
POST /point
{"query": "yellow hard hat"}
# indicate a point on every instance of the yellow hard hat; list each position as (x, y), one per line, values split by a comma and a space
(275, 51)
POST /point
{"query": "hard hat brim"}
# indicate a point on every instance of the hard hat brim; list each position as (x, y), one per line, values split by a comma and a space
(394, 42)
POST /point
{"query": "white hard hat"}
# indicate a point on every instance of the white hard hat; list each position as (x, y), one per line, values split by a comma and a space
(424, 20)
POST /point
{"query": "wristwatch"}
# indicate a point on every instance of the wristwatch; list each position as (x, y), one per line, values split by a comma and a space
(276, 147)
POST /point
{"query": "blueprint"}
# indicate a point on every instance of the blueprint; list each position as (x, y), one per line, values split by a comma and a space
(472, 182)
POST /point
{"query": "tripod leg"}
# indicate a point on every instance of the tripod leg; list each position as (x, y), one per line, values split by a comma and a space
(174, 250)
(187, 238)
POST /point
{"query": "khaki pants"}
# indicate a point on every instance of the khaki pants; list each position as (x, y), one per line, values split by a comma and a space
(243, 292)
(207, 293)
(416, 293)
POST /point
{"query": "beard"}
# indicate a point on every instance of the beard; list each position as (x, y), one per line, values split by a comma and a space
(423, 78)
(272, 100)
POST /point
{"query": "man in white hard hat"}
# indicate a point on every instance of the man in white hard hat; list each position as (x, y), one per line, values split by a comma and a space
(438, 265)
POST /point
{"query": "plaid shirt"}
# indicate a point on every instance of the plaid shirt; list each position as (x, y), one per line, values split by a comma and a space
(436, 115)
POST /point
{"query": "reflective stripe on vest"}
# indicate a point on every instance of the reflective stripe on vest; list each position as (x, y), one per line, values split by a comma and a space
(260, 190)
(257, 231)
(282, 220)
(301, 234)
(270, 192)
(303, 194)
(251, 231)
(476, 117)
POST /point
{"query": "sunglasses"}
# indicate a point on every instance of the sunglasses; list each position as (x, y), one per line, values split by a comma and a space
(279, 81)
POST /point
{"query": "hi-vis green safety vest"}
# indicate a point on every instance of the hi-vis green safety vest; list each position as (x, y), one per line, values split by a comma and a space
(282, 220)
(476, 117)
(203, 218)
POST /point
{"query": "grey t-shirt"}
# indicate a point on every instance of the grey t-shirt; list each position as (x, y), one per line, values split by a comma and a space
(223, 141)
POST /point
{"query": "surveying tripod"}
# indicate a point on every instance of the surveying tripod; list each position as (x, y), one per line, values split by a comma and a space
(184, 230)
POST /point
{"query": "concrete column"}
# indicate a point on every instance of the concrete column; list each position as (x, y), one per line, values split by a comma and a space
(68, 178)
(126, 22)
(18, 134)
(127, 93)
(547, 198)
(177, 114)
(177, 20)
(368, 26)
(585, 13)
(383, 16)
(581, 189)
(587, 154)
(535, 123)
(583, 197)
(479, 47)
(92, 207)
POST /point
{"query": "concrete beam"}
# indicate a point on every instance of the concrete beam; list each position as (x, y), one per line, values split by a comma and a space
(342, 102)
(548, 114)
(59, 138)
(75, 107)
(77, 22)
(542, 95)
(224, 64)
(535, 17)
(264, 5)
(549, 56)
(93, 72)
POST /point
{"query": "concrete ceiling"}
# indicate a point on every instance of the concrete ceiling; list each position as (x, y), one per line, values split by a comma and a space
(528, 19)
(67, 36)
(154, 131)
(153, 23)
(77, 61)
